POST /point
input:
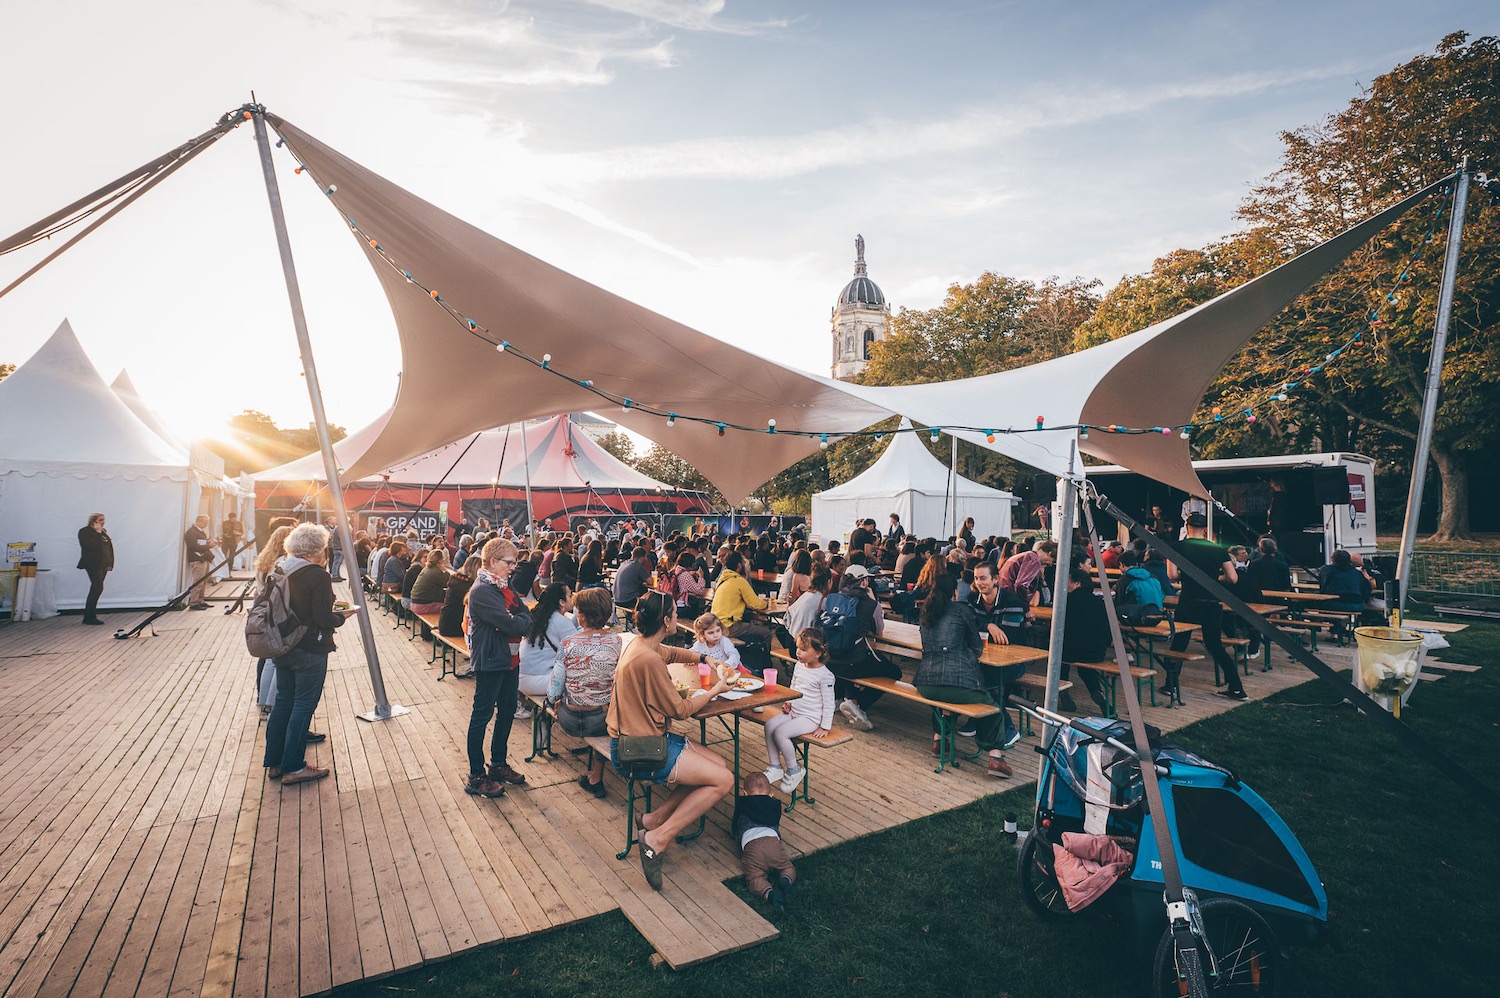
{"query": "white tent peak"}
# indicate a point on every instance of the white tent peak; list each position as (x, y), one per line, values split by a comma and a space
(124, 387)
(907, 480)
(93, 426)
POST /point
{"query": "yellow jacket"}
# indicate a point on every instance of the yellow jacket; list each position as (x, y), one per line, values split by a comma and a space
(733, 597)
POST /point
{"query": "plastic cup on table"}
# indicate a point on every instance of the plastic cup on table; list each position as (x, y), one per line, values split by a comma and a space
(703, 675)
(770, 677)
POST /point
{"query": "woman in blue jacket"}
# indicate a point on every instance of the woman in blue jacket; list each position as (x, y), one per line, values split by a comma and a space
(496, 618)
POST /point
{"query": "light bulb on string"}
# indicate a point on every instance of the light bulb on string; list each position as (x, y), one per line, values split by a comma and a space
(822, 441)
(546, 361)
(671, 419)
(771, 426)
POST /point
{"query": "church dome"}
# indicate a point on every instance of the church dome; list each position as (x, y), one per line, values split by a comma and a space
(861, 291)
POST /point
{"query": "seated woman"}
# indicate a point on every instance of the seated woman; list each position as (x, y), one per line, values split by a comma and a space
(427, 592)
(797, 579)
(393, 568)
(644, 703)
(413, 572)
(591, 568)
(583, 675)
(949, 670)
(550, 624)
(687, 586)
(451, 616)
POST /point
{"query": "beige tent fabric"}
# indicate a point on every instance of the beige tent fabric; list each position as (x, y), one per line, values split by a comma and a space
(1151, 378)
(454, 384)
(1155, 377)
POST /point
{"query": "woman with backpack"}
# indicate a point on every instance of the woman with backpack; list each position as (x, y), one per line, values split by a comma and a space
(684, 585)
(805, 611)
(849, 618)
(265, 564)
(301, 671)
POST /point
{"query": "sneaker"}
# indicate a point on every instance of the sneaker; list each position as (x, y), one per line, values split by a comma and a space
(304, 775)
(792, 781)
(1232, 694)
(776, 899)
(1254, 654)
(1066, 703)
(968, 732)
(775, 774)
(1012, 738)
(504, 774)
(522, 713)
(93, 621)
(855, 715)
(482, 786)
(785, 885)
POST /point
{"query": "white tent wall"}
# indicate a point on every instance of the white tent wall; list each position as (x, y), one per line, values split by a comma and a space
(922, 515)
(145, 519)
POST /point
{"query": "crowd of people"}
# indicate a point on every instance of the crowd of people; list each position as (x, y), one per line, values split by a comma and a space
(541, 615)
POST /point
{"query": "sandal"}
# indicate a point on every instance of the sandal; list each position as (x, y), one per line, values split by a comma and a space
(651, 865)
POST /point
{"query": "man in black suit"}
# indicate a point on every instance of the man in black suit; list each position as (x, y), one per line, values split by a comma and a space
(200, 557)
(96, 556)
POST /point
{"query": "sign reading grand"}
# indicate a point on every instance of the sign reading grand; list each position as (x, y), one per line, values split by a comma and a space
(398, 521)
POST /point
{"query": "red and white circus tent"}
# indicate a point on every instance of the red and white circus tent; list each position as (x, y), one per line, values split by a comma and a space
(483, 474)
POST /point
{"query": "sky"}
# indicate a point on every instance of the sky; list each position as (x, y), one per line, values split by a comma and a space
(709, 159)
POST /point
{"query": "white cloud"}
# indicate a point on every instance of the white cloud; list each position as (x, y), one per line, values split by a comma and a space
(703, 15)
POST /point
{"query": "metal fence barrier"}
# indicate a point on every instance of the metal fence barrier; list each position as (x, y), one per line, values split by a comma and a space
(1456, 573)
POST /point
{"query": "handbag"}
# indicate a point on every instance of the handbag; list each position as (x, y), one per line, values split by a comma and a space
(642, 751)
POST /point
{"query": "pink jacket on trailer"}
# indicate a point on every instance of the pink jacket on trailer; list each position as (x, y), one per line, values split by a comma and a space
(1087, 866)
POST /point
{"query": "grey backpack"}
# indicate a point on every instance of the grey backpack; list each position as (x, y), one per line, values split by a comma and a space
(271, 628)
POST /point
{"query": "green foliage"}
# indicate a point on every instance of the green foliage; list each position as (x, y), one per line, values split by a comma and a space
(6, 370)
(254, 442)
(620, 445)
(666, 467)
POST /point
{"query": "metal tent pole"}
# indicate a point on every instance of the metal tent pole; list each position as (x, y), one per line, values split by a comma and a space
(383, 708)
(526, 463)
(1434, 383)
(1067, 491)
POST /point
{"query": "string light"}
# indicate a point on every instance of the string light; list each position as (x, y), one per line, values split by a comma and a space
(1404, 278)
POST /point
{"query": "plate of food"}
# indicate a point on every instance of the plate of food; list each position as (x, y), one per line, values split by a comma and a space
(748, 684)
(340, 604)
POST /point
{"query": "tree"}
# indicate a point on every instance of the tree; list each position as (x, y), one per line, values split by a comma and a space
(1412, 125)
(669, 469)
(619, 444)
(6, 370)
(254, 442)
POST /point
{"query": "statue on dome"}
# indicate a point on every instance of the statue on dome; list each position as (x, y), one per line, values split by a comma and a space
(859, 249)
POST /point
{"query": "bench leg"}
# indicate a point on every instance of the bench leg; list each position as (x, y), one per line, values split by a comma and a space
(1174, 682)
(1152, 681)
(1110, 692)
(802, 792)
(541, 731)
(946, 731)
(630, 798)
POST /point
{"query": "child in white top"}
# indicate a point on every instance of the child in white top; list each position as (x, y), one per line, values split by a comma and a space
(712, 642)
(811, 714)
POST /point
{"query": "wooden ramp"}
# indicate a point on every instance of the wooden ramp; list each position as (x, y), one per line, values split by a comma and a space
(142, 850)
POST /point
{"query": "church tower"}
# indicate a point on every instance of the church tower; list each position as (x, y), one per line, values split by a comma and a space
(861, 317)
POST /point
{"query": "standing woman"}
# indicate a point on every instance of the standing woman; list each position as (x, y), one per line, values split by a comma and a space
(496, 616)
(643, 705)
(949, 670)
(96, 556)
(265, 563)
(300, 672)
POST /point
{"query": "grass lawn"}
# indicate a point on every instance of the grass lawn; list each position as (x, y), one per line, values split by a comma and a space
(933, 907)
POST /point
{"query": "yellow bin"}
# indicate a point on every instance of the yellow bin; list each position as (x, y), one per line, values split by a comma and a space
(1389, 660)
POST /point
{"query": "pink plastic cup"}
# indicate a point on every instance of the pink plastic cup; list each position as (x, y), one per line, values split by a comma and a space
(770, 677)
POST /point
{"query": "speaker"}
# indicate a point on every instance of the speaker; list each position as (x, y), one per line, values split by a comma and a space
(1331, 487)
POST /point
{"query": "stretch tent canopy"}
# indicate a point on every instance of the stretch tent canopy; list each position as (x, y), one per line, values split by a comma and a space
(908, 481)
(74, 449)
(1155, 377)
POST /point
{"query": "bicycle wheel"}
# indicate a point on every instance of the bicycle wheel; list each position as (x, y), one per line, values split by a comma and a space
(1038, 885)
(1244, 948)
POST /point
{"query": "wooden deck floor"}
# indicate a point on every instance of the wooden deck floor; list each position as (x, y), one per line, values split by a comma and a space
(143, 851)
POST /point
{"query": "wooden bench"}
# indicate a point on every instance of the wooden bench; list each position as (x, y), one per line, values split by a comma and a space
(636, 788)
(431, 621)
(802, 743)
(1172, 662)
(1110, 671)
(943, 714)
(452, 649)
(1240, 649)
(1299, 627)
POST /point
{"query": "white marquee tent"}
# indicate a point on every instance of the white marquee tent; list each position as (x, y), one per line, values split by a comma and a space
(908, 481)
(83, 451)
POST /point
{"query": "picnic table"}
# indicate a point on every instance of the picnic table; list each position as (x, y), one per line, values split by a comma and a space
(909, 636)
(724, 708)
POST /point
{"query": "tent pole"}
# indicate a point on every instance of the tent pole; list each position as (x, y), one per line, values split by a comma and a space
(526, 462)
(383, 708)
(953, 485)
(1434, 383)
(1067, 491)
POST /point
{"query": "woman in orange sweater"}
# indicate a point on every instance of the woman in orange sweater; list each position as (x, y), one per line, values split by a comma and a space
(643, 703)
